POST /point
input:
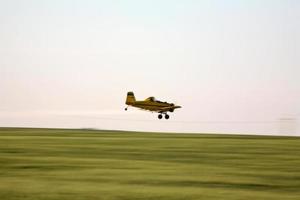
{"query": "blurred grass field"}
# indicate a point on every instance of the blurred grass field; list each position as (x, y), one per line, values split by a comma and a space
(44, 164)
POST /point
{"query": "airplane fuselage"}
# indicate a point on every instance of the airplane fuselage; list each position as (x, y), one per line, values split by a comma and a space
(151, 106)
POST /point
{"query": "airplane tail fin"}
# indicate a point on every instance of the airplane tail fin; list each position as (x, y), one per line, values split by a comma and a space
(130, 98)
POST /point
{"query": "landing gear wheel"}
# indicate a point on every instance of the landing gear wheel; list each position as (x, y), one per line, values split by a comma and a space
(167, 116)
(126, 109)
(160, 116)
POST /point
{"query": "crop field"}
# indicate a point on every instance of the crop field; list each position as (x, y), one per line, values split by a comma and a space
(59, 164)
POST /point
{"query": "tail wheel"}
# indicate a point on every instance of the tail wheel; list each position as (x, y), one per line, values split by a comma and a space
(167, 116)
(160, 116)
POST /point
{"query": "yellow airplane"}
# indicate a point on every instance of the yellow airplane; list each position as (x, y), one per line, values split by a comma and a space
(152, 105)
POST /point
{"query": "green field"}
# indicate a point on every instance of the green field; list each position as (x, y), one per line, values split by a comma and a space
(86, 164)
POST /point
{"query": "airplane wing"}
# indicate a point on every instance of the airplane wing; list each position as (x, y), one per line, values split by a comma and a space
(168, 108)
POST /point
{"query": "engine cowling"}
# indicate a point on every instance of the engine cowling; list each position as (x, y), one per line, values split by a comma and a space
(172, 109)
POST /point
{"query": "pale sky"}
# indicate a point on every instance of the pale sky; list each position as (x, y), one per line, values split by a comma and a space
(234, 65)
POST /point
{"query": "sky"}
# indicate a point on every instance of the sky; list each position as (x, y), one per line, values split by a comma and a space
(233, 66)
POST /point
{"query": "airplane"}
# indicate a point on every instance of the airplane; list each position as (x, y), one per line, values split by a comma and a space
(151, 104)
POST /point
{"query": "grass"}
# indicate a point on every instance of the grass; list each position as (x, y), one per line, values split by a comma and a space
(57, 164)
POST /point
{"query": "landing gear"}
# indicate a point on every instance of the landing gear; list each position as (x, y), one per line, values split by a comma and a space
(126, 109)
(160, 116)
(167, 116)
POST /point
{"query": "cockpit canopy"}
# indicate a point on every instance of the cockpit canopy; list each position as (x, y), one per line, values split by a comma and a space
(150, 99)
